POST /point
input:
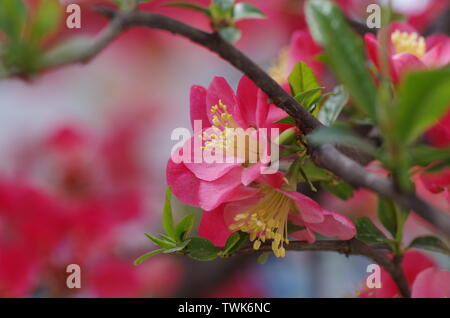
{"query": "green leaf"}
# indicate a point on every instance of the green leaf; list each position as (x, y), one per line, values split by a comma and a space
(430, 243)
(333, 106)
(342, 190)
(167, 220)
(202, 249)
(301, 80)
(423, 98)
(423, 155)
(142, 258)
(340, 135)
(162, 243)
(184, 226)
(232, 240)
(230, 34)
(262, 259)
(13, 14)
(286, 120)
(344, 52)
(387, 215)
(178, 248)
(167, 238)
(244, 10)
(189, 6)
(368, 232)
(308, 98)
(224, 4)
(46, 19)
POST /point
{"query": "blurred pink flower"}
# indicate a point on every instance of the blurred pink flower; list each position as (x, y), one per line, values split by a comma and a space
(422, 275)
(408, 50)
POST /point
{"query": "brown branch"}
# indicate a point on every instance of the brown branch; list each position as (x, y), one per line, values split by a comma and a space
(351, 247)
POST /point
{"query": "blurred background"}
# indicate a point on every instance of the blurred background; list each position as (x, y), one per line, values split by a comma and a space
(83, 151)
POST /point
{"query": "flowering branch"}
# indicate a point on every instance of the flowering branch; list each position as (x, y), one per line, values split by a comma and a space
(328, 156)
(350, 247)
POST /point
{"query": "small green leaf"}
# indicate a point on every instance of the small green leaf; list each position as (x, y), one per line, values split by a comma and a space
(46, 19)
(232, 240)
(308, 98)
(340, 135)
(301, 80)
(430, 243)
(368, 232)
(230, 34)
(167, 219)
(262, 259)
(344, 52)
(184, 226)
(13, 14)
(387, 215)
(333, 106)
(244, 10)
(286, 120)
(167, 238)
(142, 258)
(423, 99)
(423, 155)
(178, 248)
(202, 249)
(162, 243)
(189, 6)
(224, 4)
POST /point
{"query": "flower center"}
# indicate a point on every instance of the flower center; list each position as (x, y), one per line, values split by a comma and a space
(409, 42)
(267, 219)
(279, 70)
(226, 137)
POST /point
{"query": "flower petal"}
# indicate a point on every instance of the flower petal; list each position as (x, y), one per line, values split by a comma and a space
(334, 225)
(310, 210)
(207, 195)
(212, 226)
(198, 106)
(432, 283)
(304, 235)
(220, 90)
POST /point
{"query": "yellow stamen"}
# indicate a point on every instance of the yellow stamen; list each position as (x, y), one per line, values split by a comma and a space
(267, 219)
(409, 42)
(279, 71)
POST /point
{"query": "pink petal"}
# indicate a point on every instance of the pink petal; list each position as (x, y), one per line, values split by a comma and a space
(219, 89)
(310, 211)
(432, 283)
(334, 225)
(212, 226)
(205, 194)
(246, 95)
(303, 48)
(304, 235)
(251, 173)
(405, 62)
(234, 208)
(198, 106)
(372, 48)
(438, 55)
(275, 180)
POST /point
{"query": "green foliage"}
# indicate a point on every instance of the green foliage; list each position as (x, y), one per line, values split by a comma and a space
(340, 135)
(234, 242)
(46, 20)
(423, 98)
(202, 249)
(13, 14)
(340, 189)
(230, 34)
(304, 85)
(368, 232)
(344, 52)
(387, 214)
(167, 219)
(244, 10)
(330, 110)
(430, 243)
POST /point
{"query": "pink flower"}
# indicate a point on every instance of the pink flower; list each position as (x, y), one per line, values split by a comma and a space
(265, 215)
(408, 50)
(217, 108)
(425, 279)
(439, 134)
